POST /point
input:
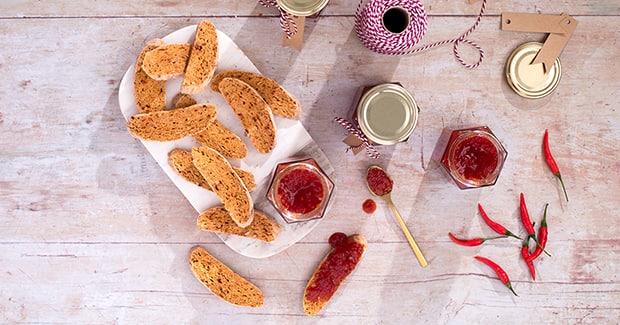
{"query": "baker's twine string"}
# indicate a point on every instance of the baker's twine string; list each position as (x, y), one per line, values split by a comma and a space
(370, 30)
(370, 149)
(287, 23)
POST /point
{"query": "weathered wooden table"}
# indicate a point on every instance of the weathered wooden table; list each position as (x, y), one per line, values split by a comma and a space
(92, 231)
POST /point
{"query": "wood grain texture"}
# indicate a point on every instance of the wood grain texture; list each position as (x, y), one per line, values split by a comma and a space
(92, 230)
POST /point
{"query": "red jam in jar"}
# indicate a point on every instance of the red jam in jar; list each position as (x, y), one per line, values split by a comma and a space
(300, 190)
(473, 157)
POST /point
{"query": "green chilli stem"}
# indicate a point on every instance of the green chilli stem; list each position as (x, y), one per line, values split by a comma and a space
(563, 187)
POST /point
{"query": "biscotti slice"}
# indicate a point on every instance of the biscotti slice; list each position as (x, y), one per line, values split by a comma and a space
(217, 219)
(181, 100)
(281, 102)
(252, 111)
(202, 59)
(166, 61)
(172, 124)
(181, 162)
(338, 264)
(149, 94)
(222, 139)
(222, 281)
(217, 135)
(226, 184)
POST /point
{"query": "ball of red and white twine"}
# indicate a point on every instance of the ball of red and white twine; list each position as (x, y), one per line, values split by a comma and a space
(371, 30)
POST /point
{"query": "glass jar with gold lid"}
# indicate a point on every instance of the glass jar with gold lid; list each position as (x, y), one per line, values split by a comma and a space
(531, 80)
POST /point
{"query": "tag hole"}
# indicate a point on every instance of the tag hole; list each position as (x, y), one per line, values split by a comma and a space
(508, 21)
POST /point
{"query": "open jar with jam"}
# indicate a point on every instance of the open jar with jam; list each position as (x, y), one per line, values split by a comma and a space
(473, 157)
(300, 190)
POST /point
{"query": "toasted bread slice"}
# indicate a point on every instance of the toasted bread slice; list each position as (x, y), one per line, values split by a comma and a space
(202, 59)
(217, 135)
(217, 219)
(226, 184)
(166, 61)
(150, 94)
(181, 162)
(281, 102)
(345, 256)
(222, 139)
(181, 100)
(222, 281)
(172, 124)
(252, 111)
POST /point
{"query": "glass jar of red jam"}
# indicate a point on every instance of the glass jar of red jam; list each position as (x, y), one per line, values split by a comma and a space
(473, 157)
(386, 113)
(300, 190)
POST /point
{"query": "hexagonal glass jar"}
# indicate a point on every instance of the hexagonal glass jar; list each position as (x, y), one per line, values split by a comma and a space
(473, 157)
(300, 190)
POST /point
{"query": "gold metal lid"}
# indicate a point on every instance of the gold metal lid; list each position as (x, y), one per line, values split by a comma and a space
(302, 7)
(387, 114)
(530, 80)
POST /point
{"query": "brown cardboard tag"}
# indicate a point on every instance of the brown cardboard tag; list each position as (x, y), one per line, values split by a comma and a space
(355, 143)
(555, 43)
(560, 28)
(296, 40)
(537, 23)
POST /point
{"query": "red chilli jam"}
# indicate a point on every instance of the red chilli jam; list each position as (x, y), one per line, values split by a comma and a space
(378, 181)
(473, 157)
(369, 206)
(337, 266)
(300, 191)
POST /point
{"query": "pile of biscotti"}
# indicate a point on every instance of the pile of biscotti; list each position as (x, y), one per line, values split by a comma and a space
(254, 99)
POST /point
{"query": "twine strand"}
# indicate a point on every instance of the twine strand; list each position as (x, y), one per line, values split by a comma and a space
(370, 149)
(287, 23)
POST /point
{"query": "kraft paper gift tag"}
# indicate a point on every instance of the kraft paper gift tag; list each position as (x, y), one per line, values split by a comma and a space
(354, 143)
(296, 40)
(560, 28)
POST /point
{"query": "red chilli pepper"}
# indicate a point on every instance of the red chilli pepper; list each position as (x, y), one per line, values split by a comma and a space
(525, 217)
(551, 162)
(543, 233)
(525, 253)
(470, 242)
(494, 225)
(503, 276)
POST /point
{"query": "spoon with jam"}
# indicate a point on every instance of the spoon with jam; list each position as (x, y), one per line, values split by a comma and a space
(380, 184)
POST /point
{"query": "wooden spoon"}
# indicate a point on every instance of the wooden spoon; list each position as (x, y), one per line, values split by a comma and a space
(380, 184)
